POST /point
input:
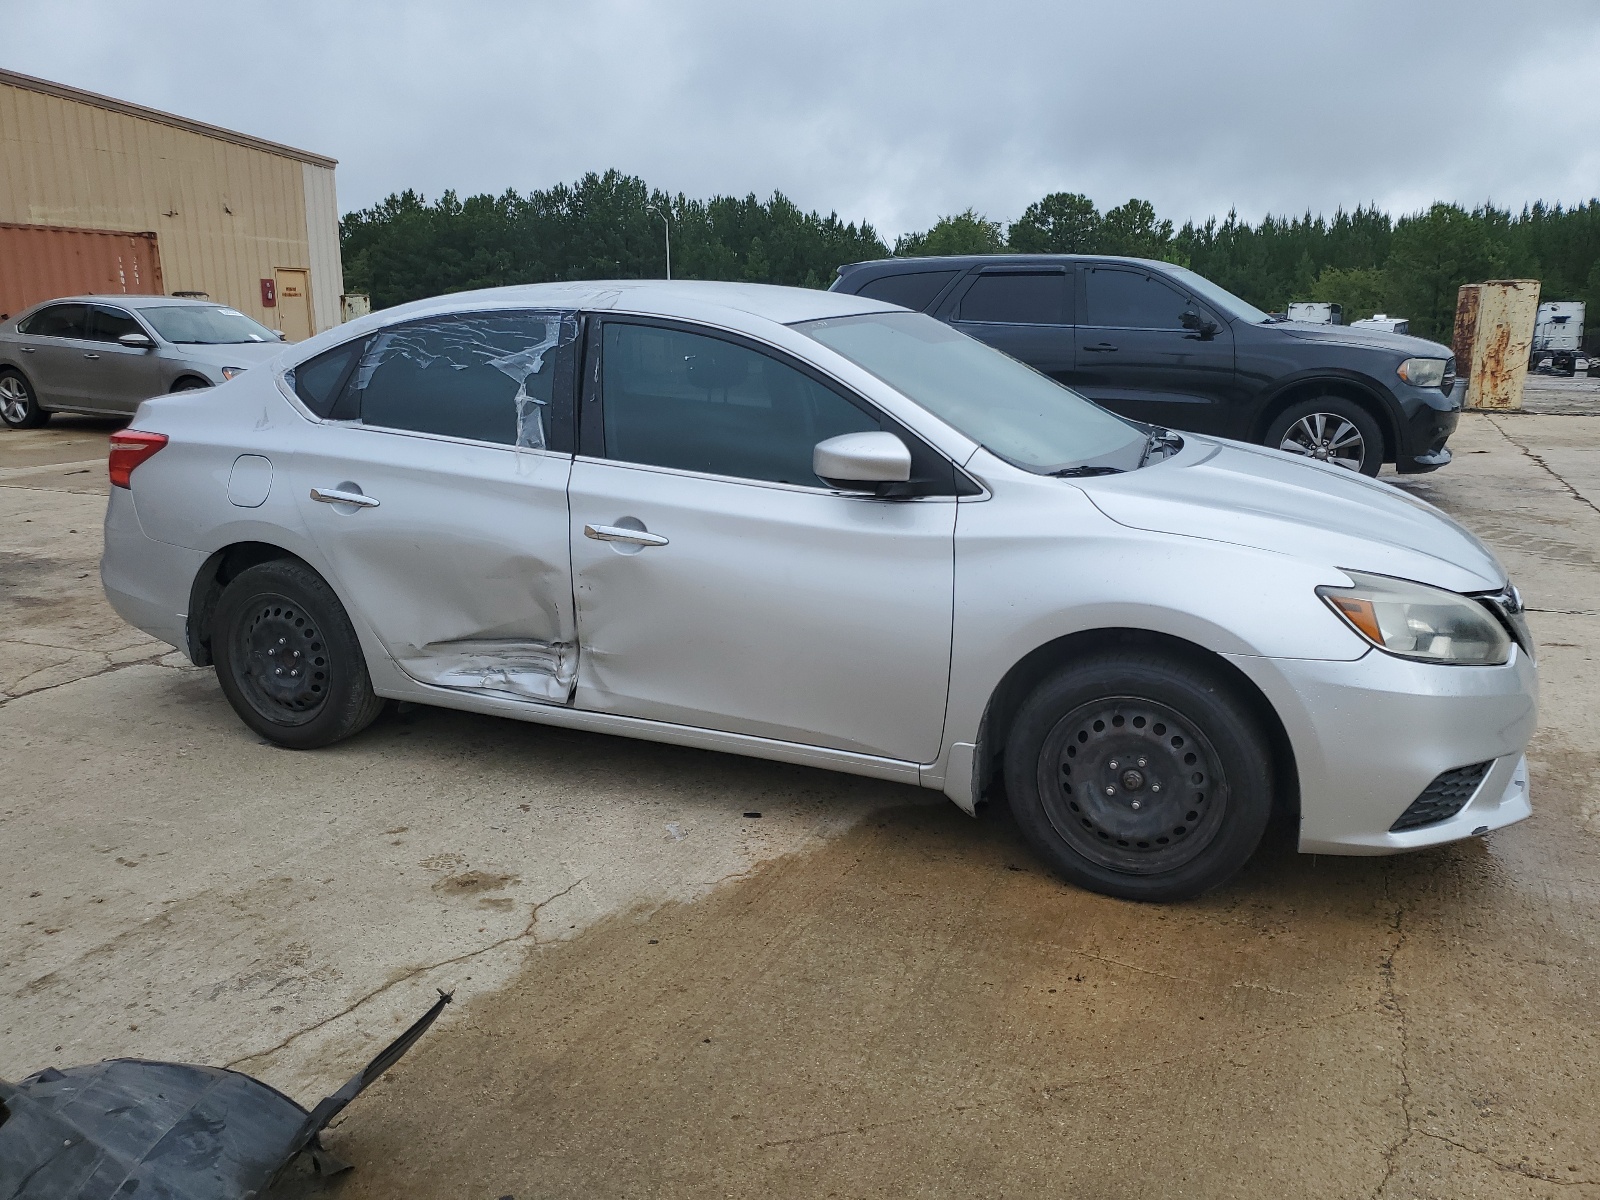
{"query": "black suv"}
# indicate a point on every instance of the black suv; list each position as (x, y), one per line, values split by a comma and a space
(1160, 344)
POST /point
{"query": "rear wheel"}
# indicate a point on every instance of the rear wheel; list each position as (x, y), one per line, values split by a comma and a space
(288, 659)
(19, 407)
(1139, 776)
(1330, 429)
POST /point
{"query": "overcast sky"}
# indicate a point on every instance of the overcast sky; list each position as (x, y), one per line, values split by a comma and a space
(891, 112)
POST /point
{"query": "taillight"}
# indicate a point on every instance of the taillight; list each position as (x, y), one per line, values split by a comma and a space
(128, 449)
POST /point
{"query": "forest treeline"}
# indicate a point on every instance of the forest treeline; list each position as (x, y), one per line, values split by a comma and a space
(613, 226)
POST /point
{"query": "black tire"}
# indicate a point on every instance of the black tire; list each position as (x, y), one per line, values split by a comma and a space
(19, 404)
(283, 611)
(1187, 766)
(190, 383)
(1327, 429)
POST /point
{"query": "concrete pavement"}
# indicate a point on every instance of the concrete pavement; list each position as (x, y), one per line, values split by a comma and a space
(860, 992)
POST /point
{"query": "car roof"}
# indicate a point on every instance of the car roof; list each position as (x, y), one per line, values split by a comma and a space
(135, 301)
(961, 262)
(688, 298)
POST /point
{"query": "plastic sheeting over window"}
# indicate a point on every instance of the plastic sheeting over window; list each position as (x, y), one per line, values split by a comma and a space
(488, 377)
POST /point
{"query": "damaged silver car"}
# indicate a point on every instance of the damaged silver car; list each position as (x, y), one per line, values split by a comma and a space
(818, 528)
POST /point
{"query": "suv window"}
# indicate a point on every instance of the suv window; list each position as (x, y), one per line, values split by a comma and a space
(487, 377)
(1123, 299)
(108, 324)
(910, 289)
(672, 398)
(1020, 298)
(59, 320)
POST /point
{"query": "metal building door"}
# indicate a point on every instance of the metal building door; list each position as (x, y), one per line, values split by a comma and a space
(294, 302)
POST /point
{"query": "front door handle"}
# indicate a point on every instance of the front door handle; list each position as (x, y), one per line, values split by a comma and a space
(615, 533)
(27, 349)
(1102, 348)
(332, 496)
(88, 355)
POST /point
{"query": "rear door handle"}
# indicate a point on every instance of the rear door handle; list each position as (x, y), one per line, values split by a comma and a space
(1102, 348)
(91, 356)
(330, 496)
(615, 533)
(27, 349)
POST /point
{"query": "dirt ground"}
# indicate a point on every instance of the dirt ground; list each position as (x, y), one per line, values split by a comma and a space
(860, 992)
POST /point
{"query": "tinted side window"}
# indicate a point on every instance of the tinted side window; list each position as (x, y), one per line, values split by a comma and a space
(319, 381)
(108, 324)
(490, 377)
(59, 320)
(913, 289)
(1036, 298)
(1122, 299)
(678, 399)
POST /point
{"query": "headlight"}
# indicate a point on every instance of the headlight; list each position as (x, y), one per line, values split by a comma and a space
(1413, 620)
(229, 372)
(1422, 372)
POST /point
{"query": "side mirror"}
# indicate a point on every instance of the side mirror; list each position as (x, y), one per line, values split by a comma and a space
(862, 462)
(280, 335)
(137, 341)
(1192, 320)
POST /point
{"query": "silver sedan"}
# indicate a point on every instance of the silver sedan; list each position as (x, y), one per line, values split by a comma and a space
(104, 354)
(821, 529)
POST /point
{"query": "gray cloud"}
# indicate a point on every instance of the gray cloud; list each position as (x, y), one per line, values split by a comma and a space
(895, 112)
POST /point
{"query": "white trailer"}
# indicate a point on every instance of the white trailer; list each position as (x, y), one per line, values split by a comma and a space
(1385, 322)
(1558, 326)
(1316, 312)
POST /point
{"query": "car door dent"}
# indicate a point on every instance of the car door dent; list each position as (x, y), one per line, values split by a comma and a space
(529, 669)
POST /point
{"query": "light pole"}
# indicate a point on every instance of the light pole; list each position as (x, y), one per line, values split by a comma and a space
(667, 228)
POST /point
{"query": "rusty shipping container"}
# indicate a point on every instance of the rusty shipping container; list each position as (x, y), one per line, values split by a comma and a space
(1493, 337)
(41, 262)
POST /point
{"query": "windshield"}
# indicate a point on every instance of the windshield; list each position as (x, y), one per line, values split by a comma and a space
(1242, 310)
(205, 325)
(1010, 409)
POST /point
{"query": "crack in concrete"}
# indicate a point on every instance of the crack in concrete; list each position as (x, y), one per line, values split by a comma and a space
(153, 660)
(1390, 1002)
(1548, 469)
(1516, 1168)
(527, 931)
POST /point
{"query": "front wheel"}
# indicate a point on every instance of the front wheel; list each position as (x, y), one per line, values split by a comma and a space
(1139, 776)
(288, 659)
(19, 407)
(1330, 429)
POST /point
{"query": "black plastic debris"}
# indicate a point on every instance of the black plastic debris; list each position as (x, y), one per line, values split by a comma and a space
(128, 1128)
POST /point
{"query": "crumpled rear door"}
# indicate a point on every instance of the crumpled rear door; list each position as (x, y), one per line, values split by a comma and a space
(440, 505)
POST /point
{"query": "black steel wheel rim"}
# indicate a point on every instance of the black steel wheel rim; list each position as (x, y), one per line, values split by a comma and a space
(1133, 785)
(281, 660)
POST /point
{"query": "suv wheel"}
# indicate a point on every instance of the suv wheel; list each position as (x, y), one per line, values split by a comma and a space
(19, 407)
(288, 659)
(1139, 776)
(1330, 429)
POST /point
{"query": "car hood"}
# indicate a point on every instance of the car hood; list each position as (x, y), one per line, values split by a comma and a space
(232, 354)
(1363, 339)
(1250, 496)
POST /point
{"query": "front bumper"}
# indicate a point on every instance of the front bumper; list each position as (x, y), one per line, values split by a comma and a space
(1369, 735)
(1430, 417)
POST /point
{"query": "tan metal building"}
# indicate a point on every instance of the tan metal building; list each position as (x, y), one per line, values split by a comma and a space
(98, 195)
